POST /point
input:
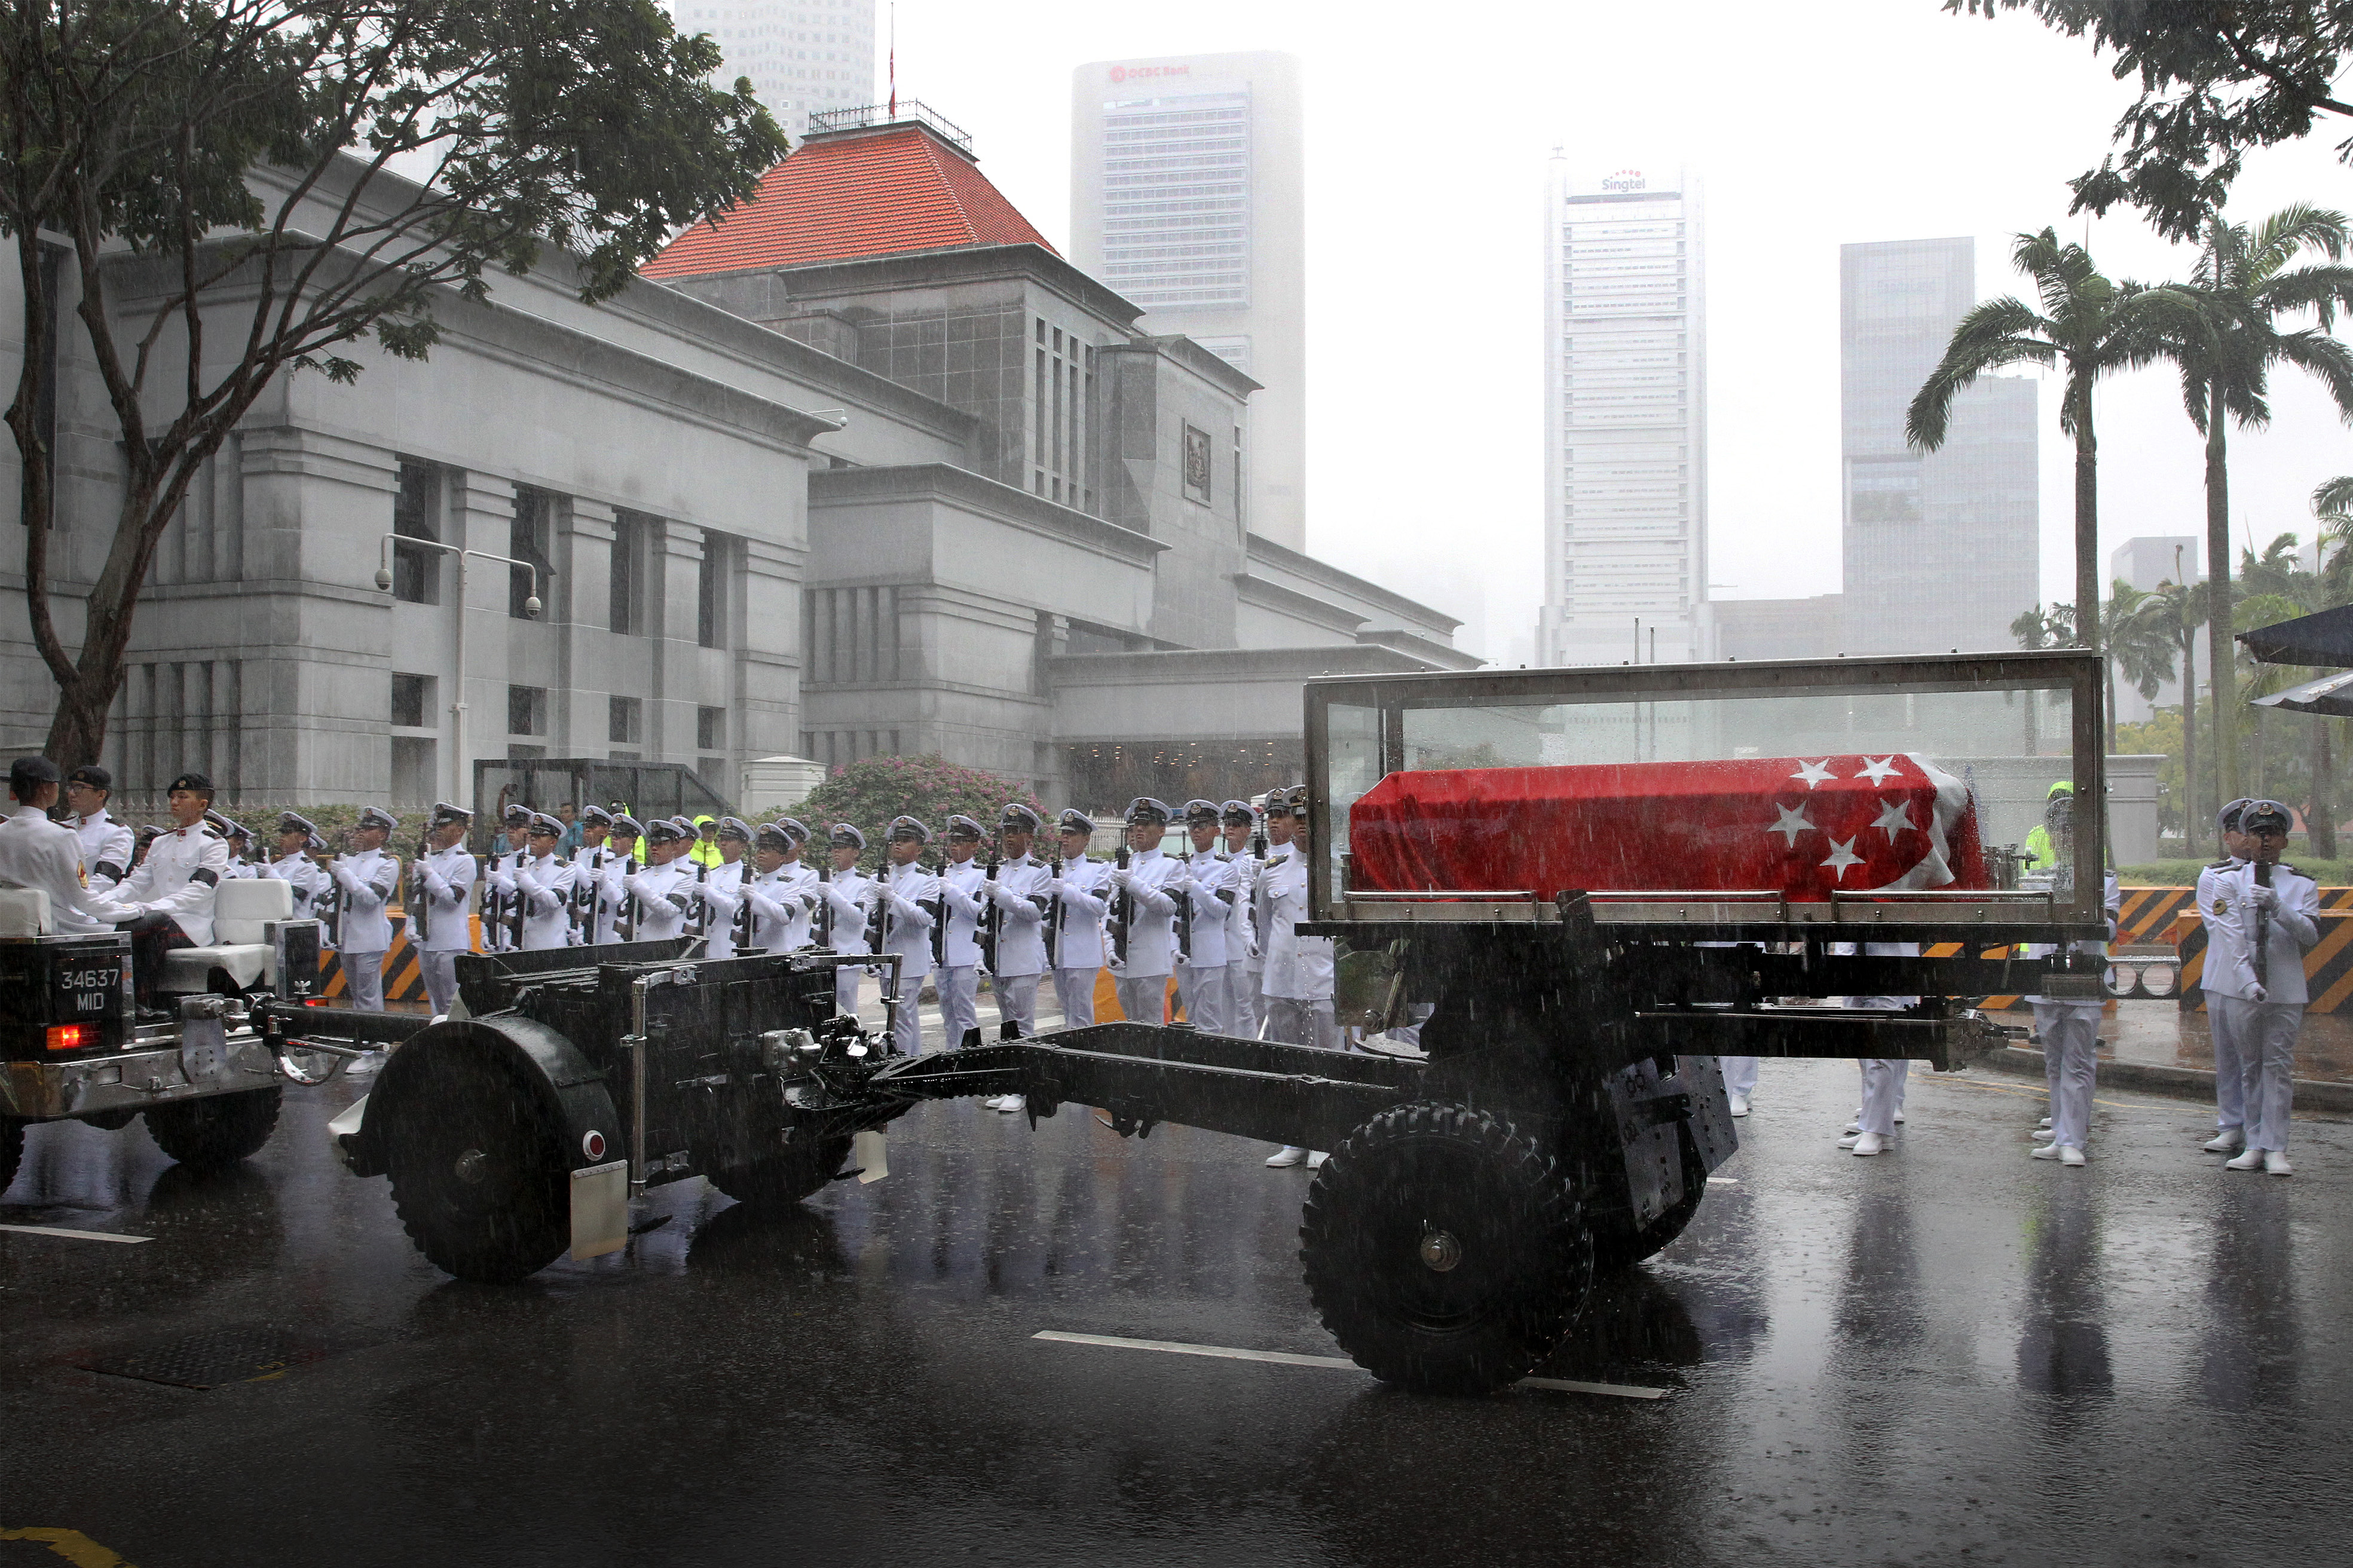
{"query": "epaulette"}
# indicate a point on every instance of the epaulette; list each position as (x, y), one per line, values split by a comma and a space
(2220, 864)
(211, 832)
(2285, 867)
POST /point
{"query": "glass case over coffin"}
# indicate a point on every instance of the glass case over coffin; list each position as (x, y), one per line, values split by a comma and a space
(1906, 792)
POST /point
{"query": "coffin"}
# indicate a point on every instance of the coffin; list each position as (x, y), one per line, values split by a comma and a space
(1804, 827)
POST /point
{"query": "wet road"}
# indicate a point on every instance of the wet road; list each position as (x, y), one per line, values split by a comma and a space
(1952, 1354)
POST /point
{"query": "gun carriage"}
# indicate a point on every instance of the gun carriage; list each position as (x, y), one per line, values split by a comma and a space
(73, 1045)
(1585, 884)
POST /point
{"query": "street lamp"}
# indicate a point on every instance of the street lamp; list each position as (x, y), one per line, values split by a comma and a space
(531, 608)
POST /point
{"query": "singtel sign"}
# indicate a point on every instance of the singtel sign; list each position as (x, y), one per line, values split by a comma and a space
(1625, 180)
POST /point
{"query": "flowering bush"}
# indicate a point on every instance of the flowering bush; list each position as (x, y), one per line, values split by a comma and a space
(868, 793)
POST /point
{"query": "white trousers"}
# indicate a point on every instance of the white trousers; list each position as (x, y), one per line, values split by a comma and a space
(1739, 1074)
(1245, 999)
(1882, 1093)
(1017, 1001)
(2071, 1043)
(2231, 1021)
(844, 990)
(1203, 993)
(440, 979)
(959, 1002)
(1299, 1023)
(364, 979)
(907, 1030)
(2264, 1033)
(1075, 990)
(1143, 997)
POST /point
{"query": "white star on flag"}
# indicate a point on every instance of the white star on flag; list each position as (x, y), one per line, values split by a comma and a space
(1895, 816)
(1842, 855)
(1814, 772)
(1878, 770)
(1793, 822)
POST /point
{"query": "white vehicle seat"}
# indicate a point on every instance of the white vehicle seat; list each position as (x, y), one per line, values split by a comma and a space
(25, 912)
(242, 911)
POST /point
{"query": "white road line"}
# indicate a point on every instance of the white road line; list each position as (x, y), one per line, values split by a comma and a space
(1288, 1358)
(1723, 1181)
(74, 1235)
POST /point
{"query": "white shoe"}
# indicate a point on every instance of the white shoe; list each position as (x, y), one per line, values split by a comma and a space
(2070, 1155)
(1006, 1102)
(1285, 1157)
(2253, 1160)
(362, 1066)
(1855, 1126)
(1872, 1144)
(2275, 1163)
(2044, 1123)
(1899, 1119)
(2043, 1152)
(2225, 1142)
(1739, 1105)
(2043, 1134)
(1316, 1157)
(1852, 1136)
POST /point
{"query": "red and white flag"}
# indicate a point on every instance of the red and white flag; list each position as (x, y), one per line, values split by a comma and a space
(1802, 826)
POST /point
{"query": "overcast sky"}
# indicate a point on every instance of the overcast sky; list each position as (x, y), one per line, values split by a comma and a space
(1428, 130)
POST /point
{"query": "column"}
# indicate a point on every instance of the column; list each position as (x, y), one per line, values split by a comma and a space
(675, 554)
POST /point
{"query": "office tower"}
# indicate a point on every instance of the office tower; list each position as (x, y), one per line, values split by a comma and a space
(1941, 549)
(1625, 417)
(801, 55)
(1188, 197)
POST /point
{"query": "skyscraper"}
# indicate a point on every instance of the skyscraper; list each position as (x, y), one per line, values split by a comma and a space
(1625, 418)
(801, 55)
(1188, 197)
(1941, 549)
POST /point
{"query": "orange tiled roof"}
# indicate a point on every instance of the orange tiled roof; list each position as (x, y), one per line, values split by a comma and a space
(840, 198)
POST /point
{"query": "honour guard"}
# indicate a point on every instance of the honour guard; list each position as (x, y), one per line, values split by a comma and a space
(723, 889)
(292, 863)
(964, 883)
(782, 894)
(360, 886)
(627, 833)
(1143, 915)
(440, 887)
(2068, 1028)
(662, 896)
(1298, 968)
(2262, 917)
(499, 907)
(106, 844)
(909, 896)
(1079, 891)
(35, 852)
(173, 886)
(1245, 855)
(1204, 897)
(850, 895)
(1020, 899)
(2230, 1058)
(591, 889)
(546, 913)
(238, 841)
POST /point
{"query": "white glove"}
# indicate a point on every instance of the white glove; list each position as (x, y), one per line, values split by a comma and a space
(2266, 899)
(2261, 995)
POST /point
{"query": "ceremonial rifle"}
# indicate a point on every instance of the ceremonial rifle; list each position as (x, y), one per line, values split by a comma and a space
(1122, 910)
(878, 919)
(992, 918)
(521, 902)
(824, 906)
(1185, 913)
(625, 919)
(1054, 911)
(420, 898)
(740, 930)
(2263, 929)
(700, 926)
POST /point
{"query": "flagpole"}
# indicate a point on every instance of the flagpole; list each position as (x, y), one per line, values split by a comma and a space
(894, 60)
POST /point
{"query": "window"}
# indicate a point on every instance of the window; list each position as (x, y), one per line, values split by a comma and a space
(627, 727)
(709, 627)
(710, 727)
(412, 698)
(526, 711)
(532, 538)
(628, 605)
(416, 514)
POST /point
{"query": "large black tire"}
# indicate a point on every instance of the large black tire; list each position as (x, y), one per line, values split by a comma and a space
(478, 1167)
(1445, 1252)
(1623, 1247)
(219, 1130)
(11, 1149)
(797, 1173)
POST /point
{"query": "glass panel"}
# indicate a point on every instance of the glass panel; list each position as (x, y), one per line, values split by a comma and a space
(1935, 785)
(1352, 763)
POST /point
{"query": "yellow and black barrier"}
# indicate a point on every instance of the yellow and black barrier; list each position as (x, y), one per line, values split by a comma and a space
(2327, 968)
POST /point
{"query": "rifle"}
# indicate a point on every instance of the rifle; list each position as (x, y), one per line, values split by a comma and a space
(740, 931)
(625, 919)
(1122, 910)
(2263, 929)
(1184, 914)
(992, 918)
(587, 894)
(878, 919)
(940, 924)
(702, 923)
(1054, 913)
(420, 899)
(521, 906)
(824, 906)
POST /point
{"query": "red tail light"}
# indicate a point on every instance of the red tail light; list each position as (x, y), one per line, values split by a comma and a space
(314, 1000)
(71, 1037)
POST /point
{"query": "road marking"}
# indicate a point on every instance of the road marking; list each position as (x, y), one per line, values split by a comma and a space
(1289, 1357)
(1723, 1181)
(74, 1235)
(71, 1545)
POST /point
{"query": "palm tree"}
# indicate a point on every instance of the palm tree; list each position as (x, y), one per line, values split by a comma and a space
(2086, 324)
(2185, 612)
(2044, 625)
(2243, 286)
(2140, 641)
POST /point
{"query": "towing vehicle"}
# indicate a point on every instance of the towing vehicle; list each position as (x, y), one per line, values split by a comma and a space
(73, 1047)
(1576, 887)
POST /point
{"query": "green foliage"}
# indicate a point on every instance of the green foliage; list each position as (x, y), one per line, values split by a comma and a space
(868, 793)
(2215, 82)
(2179, 873)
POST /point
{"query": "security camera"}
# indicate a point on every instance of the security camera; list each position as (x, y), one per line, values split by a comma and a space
(530, 608)
(384, 578)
